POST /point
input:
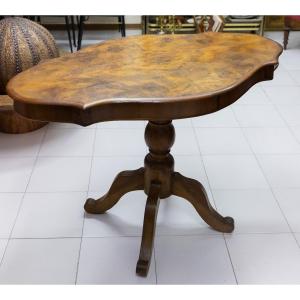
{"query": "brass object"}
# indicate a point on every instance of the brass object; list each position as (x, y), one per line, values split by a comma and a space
(169, 24)
(245, 24)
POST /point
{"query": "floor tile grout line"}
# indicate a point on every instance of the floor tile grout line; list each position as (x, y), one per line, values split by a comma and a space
(101, 192)
(229, 255)
(23, 196)
(84, 214)
(92, 161)
(47, 192)
(80, 128)
(289, 72)
(250, 154)
(122, 128)
(255, 157)
(211, 192)
(270, 187)
(141, 155)
(175, 155)
(155, 263)
(80, 245)
(281, 116)
(277, 202)
(202, 161)
(158, 235)
(274, 195)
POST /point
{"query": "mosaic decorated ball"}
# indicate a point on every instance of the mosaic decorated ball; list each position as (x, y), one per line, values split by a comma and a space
(23, 44)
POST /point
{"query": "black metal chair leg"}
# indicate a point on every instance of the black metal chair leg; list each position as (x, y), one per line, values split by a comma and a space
(119, 23)
(80, 32)
(73, 31)
(123, 29)
(144, 25)
(69, 33)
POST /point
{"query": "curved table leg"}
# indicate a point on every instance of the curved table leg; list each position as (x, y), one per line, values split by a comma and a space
(124, 182)
(151, 210)
(194, 192)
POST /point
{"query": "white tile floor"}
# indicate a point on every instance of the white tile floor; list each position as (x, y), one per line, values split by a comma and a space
(247, 156)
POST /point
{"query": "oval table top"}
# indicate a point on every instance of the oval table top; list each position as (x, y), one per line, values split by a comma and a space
(148, 77)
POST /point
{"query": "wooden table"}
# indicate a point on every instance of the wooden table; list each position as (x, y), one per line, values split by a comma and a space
(154, 78)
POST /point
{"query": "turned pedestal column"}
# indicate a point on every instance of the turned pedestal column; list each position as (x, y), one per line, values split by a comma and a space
(159, 181)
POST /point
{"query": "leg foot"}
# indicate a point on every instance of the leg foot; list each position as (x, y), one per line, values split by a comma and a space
(194, 192)
(151, 210)
(158, 179)
(125, 182)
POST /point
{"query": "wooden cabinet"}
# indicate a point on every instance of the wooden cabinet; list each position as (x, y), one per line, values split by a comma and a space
(273, 23)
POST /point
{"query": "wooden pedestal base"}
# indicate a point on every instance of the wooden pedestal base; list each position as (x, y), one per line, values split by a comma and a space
(159, 181)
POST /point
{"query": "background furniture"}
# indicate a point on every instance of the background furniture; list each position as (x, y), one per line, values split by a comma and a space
(23, 44)
(169, 24)
(290, 23)
(12, 122)
(82, 19)
(111, 82)
(210, 23)
(69, 24)
(246, 24)
(193, 24)
(274, 23)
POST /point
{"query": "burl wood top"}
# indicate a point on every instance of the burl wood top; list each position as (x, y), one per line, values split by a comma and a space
(148, 77)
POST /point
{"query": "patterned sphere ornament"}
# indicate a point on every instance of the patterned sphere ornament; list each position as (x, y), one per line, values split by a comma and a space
(23, 44)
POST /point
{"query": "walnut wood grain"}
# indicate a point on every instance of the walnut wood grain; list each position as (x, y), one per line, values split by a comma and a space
(156, 78)
(132, 78)
(151, 210)
(194, 192)
(124, 182)
(159, 181)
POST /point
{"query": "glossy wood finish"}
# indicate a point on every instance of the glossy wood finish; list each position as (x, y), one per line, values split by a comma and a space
(151, 211)
(159, 163)
(132, 78)
(155, 78)
(194, 192)
(159, 180)
(125, 182)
